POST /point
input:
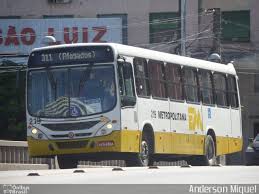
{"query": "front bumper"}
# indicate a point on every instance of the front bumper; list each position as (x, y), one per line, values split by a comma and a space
(117, 141)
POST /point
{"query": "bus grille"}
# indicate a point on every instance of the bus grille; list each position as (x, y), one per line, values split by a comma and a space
(71, 126)
(72, 144)
(76, 135)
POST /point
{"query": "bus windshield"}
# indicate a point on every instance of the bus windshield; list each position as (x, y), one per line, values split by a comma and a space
(71, 91)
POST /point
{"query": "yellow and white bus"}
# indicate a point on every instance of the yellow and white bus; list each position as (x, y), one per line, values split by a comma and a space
(102, 101)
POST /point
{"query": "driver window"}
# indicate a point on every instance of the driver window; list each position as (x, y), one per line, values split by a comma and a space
(126, 83)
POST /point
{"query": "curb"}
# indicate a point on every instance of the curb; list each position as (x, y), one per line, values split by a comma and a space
(16, 166)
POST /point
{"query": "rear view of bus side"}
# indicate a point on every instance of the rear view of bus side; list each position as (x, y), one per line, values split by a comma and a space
(185, 107)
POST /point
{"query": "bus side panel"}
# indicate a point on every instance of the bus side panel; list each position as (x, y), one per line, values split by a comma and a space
(179, 128)
(163, 142)
(219, 120)
(222, 146)
(186, 127)
(235, 144)
(212, 117)
(130, 138)
(222, 129)
(235, 141)
(161, 124)
(155, 113)
(196, 129)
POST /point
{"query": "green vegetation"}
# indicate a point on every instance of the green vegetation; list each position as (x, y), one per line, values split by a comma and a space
(12, 106)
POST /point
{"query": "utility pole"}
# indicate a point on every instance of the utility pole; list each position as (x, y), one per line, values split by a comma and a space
(215, 52)
(217, 30)
(183, 27)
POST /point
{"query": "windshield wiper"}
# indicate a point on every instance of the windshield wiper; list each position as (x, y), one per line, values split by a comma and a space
(84, 77)
(53, 82)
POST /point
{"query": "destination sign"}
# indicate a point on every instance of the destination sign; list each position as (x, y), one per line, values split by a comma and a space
(70, 56)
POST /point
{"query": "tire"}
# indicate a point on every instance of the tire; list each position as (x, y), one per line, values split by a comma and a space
(65, 162)
(209, 158)
(210, 152)
(144, 157)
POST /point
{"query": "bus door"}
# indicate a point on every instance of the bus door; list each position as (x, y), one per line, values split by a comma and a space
(129, 121)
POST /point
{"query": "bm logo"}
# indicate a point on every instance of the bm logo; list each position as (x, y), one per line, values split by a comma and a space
(195, 121)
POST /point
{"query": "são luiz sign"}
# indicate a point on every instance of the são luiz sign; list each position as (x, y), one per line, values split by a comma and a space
(22, 35)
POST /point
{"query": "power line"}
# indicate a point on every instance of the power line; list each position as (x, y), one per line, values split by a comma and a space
(160, 34)
(158, 21)
(186, 38)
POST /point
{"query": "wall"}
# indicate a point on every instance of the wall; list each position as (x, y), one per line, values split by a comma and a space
(137, 10)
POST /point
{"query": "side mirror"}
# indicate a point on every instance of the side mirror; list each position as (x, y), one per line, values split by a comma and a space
(128, 101)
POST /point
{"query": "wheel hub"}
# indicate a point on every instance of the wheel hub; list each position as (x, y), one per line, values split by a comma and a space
(210, 153)
(144, 153)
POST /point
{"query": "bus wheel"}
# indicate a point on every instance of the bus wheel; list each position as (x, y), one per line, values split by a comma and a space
(210, 152)
(209, 158)
(143, 158)
(65, 162)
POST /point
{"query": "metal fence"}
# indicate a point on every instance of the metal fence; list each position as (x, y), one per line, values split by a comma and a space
(122, 163)
(16, 152)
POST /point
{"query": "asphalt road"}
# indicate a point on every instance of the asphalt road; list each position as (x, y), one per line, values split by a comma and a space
(141, 175)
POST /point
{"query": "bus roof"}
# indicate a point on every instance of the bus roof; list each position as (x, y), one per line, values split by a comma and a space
(132, 51)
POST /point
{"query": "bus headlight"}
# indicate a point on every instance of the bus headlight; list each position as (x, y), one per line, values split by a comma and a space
(34, 131)
(109, 126)
(105, 130)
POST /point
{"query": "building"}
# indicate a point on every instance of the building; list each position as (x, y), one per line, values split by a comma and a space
(226, 27)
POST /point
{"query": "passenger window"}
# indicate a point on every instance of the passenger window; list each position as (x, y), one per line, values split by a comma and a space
(232, 92)
(174, 81)
(141, 77)
(190, 84)
(157, 79)
(220, 89)
(206, 90)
